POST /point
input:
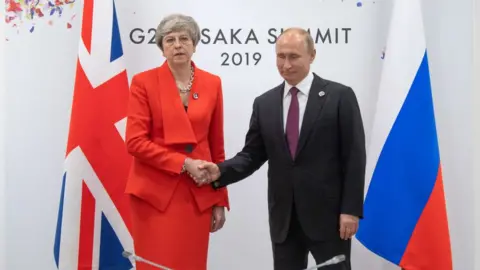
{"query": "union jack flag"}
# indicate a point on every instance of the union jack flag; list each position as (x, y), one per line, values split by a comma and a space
(93, 226)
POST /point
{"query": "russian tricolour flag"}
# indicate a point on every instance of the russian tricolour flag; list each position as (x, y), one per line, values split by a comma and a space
(405, 218)
(93, 219)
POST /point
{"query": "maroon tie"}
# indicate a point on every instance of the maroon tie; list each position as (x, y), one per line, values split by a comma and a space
(292, 122)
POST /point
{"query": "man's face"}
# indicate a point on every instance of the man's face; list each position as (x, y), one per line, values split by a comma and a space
(293, 57)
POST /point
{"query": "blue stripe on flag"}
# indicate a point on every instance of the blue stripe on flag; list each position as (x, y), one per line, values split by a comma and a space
(405, 174)
(116, 46)
(111, 249)
(58, 233)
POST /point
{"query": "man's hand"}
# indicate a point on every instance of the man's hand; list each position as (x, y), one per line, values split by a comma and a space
(199, 176)
(218, 218)
(212, 170)
(348, 226)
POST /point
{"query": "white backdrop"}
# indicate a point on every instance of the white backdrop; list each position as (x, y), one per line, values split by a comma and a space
(40, 76)
(476, 98)
(2, 142)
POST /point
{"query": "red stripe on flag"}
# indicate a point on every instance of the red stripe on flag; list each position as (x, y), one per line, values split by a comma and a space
(92, 127)
(87, 22)
(429, 247)
(87, 226)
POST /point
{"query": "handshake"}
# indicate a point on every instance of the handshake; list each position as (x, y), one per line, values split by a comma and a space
(202, 172)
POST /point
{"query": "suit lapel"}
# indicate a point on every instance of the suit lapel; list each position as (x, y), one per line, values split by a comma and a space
(277, 119)
(195, 94)
(316, 99)
(176, 124)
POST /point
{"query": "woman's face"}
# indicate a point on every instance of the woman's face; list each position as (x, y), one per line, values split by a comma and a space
(178, 47)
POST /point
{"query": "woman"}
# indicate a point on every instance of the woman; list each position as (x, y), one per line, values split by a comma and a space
(175, 121)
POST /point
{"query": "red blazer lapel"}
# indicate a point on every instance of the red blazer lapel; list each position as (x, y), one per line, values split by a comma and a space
(195, 104)
(176, 124)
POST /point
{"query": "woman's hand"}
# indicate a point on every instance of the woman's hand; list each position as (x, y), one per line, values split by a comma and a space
(218, 218)
(198, 175)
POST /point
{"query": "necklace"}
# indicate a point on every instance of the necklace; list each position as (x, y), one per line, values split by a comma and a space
(186, 89)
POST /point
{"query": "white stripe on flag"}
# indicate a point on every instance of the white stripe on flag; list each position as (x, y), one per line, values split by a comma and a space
(404, 53)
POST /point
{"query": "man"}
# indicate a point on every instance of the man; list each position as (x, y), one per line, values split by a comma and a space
(311, 132)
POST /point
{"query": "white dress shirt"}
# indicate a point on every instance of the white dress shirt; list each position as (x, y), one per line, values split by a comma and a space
(304, 89)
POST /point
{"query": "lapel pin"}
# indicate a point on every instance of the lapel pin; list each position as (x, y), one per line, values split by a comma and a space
(321, 93)
(195, 96)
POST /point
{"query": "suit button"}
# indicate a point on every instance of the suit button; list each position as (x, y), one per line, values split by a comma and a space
(189, 148)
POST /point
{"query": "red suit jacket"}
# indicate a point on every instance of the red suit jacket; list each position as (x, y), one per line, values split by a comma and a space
(160, 134)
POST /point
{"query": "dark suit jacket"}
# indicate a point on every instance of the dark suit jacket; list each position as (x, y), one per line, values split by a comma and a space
(326, 177)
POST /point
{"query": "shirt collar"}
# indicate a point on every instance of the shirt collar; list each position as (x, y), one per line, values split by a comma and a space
(303, 86)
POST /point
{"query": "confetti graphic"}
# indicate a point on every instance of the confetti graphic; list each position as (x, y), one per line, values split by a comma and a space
(24, 15)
